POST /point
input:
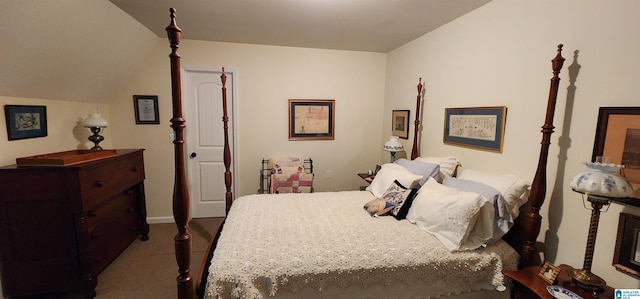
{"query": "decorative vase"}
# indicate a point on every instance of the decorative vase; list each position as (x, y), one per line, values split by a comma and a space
(602, 179)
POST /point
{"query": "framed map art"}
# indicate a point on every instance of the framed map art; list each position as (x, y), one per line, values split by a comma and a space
(312, 119)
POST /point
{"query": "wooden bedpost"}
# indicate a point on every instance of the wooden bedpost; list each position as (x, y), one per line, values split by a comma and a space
(532, 221)
(415, 151)
(227, 151)
(180, 190)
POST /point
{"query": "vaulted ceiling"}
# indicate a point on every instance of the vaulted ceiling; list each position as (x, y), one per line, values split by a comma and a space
(360, 25)
(80, 50)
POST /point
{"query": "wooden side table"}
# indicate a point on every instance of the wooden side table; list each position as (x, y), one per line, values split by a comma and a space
(527, 284)
(367, 177)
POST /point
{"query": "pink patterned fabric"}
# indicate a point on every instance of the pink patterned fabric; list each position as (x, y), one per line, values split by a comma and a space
(291, 183)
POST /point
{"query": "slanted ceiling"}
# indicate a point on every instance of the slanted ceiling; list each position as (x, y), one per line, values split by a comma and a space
(69, 50)
(83, 50)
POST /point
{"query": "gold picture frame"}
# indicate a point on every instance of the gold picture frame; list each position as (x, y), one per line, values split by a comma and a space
(549, 272)
(475, 127)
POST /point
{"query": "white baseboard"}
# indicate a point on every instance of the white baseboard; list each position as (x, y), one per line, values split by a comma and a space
(154, 220)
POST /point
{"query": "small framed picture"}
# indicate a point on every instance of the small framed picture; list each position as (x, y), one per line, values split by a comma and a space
(400, 123)
(549, 272)
(146, 109)
(626, 257)
(25, 121)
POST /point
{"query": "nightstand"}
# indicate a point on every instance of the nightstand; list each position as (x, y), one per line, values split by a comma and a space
(367, 177)
(527, 284)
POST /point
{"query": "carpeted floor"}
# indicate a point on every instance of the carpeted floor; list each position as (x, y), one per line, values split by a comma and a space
(148, 269)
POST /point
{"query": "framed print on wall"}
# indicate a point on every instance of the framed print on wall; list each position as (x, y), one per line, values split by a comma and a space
(618, 137)
(626, 255)
(400, 123)
(146, 109)
(311, 119)
(25, 121)
(477, 127)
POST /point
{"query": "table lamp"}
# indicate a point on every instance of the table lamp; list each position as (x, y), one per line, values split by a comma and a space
(393, 146)
(600, 183)
(96, 124)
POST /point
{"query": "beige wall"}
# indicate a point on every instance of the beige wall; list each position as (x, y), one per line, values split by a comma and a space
(65, 131)
(267, 76)
(500, 55)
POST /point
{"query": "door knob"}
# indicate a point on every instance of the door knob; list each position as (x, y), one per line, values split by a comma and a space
(193, 155)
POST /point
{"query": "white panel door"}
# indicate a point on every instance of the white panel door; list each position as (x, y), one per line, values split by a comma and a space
(202, 105)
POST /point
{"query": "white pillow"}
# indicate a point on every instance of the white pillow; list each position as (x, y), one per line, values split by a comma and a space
(424, 169)
(448, 165)
(514, 190)
(461, 220)
(389, 173)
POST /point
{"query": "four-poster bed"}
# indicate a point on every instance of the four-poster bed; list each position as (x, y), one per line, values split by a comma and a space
(341, 269)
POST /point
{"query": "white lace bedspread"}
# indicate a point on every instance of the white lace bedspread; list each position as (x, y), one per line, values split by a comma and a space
(289, 242)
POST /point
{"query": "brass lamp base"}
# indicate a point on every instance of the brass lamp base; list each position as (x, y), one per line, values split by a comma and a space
(587, 280)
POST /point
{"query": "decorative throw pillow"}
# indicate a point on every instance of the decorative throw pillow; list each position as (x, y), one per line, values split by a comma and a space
(396, 201)
(391, 172)
(424, 169)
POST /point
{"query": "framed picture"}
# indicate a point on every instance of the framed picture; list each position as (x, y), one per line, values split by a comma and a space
(626, 256)
(479, 127)
(146, 109)
(400, 123)
(549, 272)
(312, 119)
(618, 137)
(25, 121)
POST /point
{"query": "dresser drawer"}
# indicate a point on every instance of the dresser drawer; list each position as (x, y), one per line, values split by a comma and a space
(114, 207)
(111, 230)
(100, 183)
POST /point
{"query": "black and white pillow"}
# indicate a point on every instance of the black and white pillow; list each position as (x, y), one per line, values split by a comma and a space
(395, 201)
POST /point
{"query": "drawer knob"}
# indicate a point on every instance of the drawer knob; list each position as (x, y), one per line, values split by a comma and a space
(134, 168)
(99, 183)
(92, 213)
(131, 210)
(95, 235)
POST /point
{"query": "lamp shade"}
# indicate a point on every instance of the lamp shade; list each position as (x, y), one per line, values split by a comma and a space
(393, 145)
(95, 120)
(602, 179)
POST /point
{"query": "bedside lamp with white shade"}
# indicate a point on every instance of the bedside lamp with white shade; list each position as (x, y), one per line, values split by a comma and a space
(393, 146)
(96, 124)
(600, 183)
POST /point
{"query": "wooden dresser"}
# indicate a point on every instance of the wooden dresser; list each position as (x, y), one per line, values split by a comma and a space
(60, 226)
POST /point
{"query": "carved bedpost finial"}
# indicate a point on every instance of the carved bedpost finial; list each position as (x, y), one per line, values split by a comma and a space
(558, 61)
(419, 85)
(173, 31)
